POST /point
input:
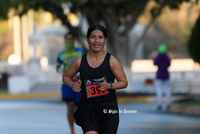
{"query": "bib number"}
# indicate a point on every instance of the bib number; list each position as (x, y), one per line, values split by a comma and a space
(93, 88)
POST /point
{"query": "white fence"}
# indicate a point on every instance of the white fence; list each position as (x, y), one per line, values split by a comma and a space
(182, 82)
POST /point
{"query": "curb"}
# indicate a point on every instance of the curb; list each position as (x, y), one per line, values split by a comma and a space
(29, 96)
(124, 99)
(120, 99)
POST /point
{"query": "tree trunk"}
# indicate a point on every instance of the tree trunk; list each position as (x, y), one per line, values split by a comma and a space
(117, 44)
(138, 42)
(117, 47)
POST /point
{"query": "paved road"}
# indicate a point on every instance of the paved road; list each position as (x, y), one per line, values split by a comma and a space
(47, 116)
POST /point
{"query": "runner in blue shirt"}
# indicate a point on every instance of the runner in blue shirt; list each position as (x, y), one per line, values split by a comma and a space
(65, 58)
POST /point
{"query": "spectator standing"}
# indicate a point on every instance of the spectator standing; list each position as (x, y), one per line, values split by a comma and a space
(162, 76)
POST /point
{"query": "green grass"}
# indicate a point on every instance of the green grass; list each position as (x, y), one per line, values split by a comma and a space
(3, 90)
(190, 102)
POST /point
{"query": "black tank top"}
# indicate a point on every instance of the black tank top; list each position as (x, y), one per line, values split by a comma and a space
(87, 72)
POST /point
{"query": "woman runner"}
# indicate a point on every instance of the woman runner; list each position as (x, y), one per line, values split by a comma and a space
(98, 107)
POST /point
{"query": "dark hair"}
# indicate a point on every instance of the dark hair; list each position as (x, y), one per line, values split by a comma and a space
(68, 34)
(97, 27)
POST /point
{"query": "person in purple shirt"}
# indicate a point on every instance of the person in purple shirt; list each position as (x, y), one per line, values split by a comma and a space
(162, 77)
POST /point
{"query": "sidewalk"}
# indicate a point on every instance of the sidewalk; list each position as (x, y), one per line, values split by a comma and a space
(121, 98)
(185, 109)
(185, 106)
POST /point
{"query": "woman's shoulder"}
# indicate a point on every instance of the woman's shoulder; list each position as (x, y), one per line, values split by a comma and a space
(114, 61)
(113, 58)
(77, 61)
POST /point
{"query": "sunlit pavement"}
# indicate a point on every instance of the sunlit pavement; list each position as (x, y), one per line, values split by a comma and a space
(48, 116)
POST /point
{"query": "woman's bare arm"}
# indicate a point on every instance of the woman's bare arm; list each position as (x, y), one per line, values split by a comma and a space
(118, 72)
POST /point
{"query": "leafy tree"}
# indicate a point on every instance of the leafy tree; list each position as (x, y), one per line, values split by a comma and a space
(119, 17)
(194, 44)
(173, 29)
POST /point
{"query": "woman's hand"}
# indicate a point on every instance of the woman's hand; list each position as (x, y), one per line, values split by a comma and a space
(104, 85)
(76, 86)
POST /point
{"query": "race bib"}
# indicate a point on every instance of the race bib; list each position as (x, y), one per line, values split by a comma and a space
(92, 88)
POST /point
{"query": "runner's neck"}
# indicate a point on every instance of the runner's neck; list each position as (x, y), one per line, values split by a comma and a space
(96, 56)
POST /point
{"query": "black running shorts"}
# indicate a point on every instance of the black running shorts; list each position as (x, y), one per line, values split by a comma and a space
(106, 123)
